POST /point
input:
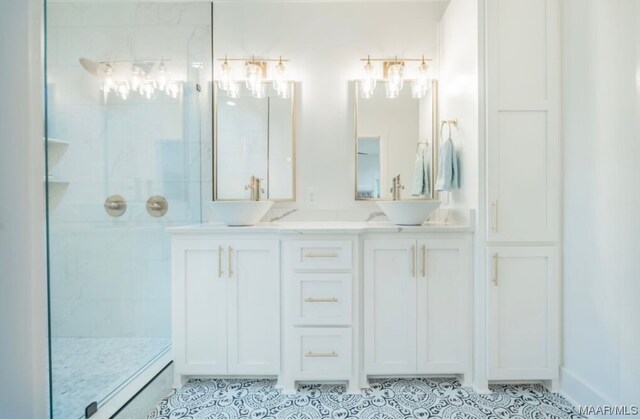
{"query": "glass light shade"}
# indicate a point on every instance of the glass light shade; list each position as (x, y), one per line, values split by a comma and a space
(395, 80)
(122, 88)
(366, 88)
(108, 84)
(283, 90)
(395, 74)
(393, 90)
(173, 89)
(163, 77)
(424, 75)
(368, 82)
(260, 92)
(253, 73)
(420, 86)
(136, 77)
(233, 90)
(148, 88)
(418, 90)
(280, 83)
(225, 76)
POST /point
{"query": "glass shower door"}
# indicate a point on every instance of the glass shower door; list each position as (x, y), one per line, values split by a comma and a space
(128, 123)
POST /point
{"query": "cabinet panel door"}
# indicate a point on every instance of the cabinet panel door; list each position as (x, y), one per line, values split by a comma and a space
(523, 120)
(443, 310)
(254, 307)
(390, 306)
(200, 308)
(524, 316)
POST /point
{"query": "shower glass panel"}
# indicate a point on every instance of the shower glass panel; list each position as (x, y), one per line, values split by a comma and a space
(129, 104)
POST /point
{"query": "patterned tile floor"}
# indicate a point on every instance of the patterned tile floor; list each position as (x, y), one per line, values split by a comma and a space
(386, 399)
(88, 369)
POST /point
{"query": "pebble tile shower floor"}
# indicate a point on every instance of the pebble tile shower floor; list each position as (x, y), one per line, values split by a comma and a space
(86, 370)
(386, 399)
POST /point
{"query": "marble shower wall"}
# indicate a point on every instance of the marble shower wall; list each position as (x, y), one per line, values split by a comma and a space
(111, 276)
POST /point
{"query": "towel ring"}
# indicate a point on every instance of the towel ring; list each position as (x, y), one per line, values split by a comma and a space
(449, 122)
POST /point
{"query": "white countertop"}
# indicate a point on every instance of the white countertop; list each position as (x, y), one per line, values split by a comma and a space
(317, 227)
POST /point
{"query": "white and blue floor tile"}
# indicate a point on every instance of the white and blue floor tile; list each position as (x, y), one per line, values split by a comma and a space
(386, 399)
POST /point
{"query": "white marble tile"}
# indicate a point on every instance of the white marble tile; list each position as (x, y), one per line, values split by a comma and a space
(184, 14)
(109, 14)
(146, 13)
(63, 14)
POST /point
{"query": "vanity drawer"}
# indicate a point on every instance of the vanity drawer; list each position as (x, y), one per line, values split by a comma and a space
(321, 255)
(322, 353)
(322, 299)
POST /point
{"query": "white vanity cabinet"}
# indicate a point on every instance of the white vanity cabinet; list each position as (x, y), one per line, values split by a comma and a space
(322, 303)
(417, 305)
(320, 276)
(226, 306)
(523, 318)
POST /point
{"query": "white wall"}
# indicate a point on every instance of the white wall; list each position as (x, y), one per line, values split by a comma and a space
(325, 42)
(459, 93)
(23, 345)
(601, 201)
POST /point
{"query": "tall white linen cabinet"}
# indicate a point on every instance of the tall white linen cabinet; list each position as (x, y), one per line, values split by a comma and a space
(519, 274)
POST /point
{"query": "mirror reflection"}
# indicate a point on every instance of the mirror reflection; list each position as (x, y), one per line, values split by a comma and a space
(254, 137)
(395, 137)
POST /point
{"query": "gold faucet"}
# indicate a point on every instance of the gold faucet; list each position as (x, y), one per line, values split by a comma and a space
(256, 188)
(396, 188)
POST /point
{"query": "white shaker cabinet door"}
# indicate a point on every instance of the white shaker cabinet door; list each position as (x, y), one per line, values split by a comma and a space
(390, 306)
(443, 306)
(254, 307)
(523, 117)
(200, 307)
(524, 315)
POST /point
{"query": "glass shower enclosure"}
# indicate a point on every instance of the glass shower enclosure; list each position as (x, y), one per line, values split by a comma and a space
(128, 139)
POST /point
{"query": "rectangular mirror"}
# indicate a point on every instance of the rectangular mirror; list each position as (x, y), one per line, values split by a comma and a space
(254, 137)
(396, 137)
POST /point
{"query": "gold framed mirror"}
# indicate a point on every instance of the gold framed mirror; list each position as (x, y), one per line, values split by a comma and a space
(254, 137)
(392, 137)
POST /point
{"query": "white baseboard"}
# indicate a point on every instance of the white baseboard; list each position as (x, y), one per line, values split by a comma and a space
(578, 392)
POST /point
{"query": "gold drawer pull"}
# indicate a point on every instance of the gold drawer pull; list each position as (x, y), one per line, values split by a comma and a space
(321, 300)
(321, 355)
(321, 255)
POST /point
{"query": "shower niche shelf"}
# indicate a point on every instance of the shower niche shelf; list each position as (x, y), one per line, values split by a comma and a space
(55, 150)
(57, 187)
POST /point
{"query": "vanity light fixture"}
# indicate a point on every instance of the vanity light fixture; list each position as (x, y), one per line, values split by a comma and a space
(138, 76)
(393, 74)
(255, 77)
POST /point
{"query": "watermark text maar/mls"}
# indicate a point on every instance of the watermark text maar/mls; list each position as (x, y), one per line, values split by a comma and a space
(609, 410)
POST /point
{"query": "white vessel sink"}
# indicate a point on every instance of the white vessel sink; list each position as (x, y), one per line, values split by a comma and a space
(240, 213)
(408, 213)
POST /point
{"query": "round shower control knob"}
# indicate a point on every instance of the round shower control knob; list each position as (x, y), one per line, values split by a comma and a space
(157, 206)
(115, 205)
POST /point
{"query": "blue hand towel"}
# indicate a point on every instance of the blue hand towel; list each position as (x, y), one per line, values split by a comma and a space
(448, 176)
(421, 173)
